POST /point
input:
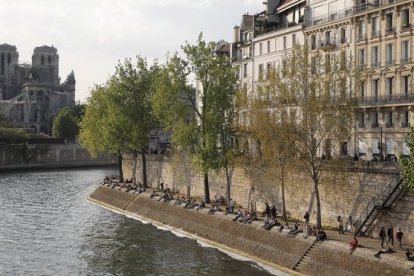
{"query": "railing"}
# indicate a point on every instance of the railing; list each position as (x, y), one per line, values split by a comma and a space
(389, 125)
(389, 62)
(390, 31)
(372, 4)
(375, 34)
(377, 201)
(347, 12)
(405, 125)
(375, 125)
(361, 125)
(327, 43)
(406, 28)
(375, 64)
(344, 40)
(389, 99)
(405, 60)
(362, 37)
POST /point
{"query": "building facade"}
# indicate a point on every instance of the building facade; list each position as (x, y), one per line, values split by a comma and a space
(32, 94)
(376, 36)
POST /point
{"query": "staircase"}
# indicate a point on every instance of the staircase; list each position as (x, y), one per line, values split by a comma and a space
(306, 259)
(378, 203)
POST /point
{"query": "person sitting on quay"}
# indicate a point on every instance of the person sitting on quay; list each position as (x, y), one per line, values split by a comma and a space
(238, 215)
(272, 222)
(214, 209)
(251, 218)
(384, 251)
(201, 205)
(321, 235)
(273, 211)
(294, 231)
(153, 194)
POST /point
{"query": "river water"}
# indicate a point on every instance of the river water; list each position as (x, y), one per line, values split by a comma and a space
(48, 228)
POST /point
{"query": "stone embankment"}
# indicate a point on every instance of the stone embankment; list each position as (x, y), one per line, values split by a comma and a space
(287, 255)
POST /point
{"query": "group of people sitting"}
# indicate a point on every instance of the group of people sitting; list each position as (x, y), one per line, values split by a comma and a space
(190, 203)
(112, 181)
(246, 217)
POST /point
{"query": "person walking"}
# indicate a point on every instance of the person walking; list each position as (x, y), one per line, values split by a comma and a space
(306, 218)
(350, 224)
(382, 236)
(399, 236)
(340, 225)
(390, 233)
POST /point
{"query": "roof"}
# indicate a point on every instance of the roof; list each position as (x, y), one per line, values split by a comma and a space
(286, 4)
(247, 22)
(9, 47)
(45, 49)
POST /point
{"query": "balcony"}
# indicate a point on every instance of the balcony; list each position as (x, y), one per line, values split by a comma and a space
(344, 40)
(375, 125)
(362, 37)
(332, 16)
(371, 4)
(405, 60)
(388, 99)
(361, 66)
(389, 125)
(406, 28)
(389, 62)
(405, 125)
(375, 64)
(390, 31)
(327, 44)
(361, 125)
(375, 34)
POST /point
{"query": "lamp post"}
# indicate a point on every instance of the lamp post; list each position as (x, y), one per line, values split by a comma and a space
(381, 157)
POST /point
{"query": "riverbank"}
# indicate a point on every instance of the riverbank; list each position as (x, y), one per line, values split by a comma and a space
(271, 248)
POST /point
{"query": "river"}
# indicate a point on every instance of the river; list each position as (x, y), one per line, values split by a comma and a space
(48, 228)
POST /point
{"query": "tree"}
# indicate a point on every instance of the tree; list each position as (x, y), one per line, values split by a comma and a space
(200, 124)
(407, 163)
(118, 117)
(65, 125)
(310, 104)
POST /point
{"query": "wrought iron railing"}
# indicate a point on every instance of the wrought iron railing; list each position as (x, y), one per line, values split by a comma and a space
(378, 201)
(388, 99)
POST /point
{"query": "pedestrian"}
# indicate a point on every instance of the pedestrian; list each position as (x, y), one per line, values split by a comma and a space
(340, 225)
(382, 236)
(390, 233)
(353, 245)
(231, 205)
(306, 218)
(350, 224)
(399, 236)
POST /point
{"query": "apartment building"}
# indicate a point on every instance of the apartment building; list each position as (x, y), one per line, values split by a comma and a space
(383, 46)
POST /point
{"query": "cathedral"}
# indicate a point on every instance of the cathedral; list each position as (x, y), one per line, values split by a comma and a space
(32, 94)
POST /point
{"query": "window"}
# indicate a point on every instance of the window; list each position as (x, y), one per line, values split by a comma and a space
(361, 58)
(389, 22)
(42, 60)
(375, 89)
(284, 42)
(389, 54)
(375, 27)
(405, 85)
(2, 64)
(405, 18)
(268, 46)
(268, 69)
(293, 39)
(343, 35)
(362, 90)
(49, 59)
(260, 48)
(313, 42)
(313, 65)
(361, 120)
(327, 38)
(389, 84)
(375, 120)
(375, 56)
(390, 120)
(245, 70)
(405, 52)
(406, 119)
(284, 68)
(261, 71)
(361, 30)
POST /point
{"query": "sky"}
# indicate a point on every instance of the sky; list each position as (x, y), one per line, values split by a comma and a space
(91, 36)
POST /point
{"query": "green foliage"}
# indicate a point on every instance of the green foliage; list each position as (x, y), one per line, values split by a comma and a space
(118, 115)
(11, 134)
(202, 124)
(65, 125)
(407, 163)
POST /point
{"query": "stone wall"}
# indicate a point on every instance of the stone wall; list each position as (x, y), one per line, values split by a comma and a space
(49, 156)
(345, 192)
(250, 240)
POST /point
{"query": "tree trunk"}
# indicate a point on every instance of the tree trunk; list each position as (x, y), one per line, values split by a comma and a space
(134, 172)
(228, 185)
(144, 169)
(206, 188)
(284, 215)
(120, 171)
(318, 203)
